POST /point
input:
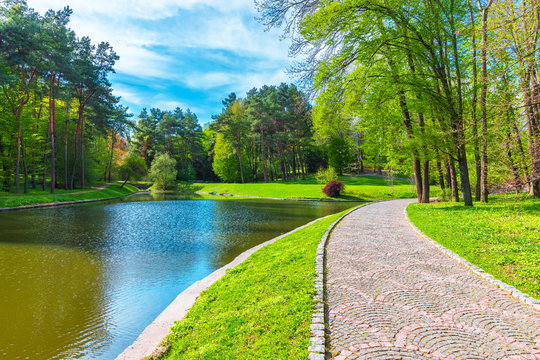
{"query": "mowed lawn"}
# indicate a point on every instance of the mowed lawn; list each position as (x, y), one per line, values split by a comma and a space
(501, 237)
(43, 197)
(261, 309)
(356, 188)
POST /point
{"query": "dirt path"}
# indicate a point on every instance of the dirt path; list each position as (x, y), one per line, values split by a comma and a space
(392, 295)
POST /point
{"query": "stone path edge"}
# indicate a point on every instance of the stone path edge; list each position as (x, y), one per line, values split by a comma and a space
(64, 203)
(527, 299)
(317, 347)
(151, 341)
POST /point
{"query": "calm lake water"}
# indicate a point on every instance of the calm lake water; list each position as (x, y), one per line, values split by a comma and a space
(83, 282)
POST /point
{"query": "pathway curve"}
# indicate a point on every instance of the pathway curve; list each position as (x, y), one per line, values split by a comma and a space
(391, 295)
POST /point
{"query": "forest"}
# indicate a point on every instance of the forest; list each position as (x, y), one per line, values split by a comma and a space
(448, 89)
(446, 92)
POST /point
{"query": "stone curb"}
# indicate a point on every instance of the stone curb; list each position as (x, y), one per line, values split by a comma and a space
(317, 347)
(151, 341)
(64, 203)
(527, 299)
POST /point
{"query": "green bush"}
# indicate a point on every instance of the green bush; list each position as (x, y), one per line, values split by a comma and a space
(324, 176)
(163, 171)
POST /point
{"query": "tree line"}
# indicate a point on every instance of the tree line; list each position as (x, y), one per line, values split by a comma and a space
(437, 85)
(60, 123)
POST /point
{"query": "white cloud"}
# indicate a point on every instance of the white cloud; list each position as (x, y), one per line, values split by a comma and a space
(139, 9)
(158, 42)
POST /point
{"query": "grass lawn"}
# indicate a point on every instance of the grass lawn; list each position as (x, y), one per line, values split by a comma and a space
(356, 188)
(501, 237)
(260, 310)
(41, 197)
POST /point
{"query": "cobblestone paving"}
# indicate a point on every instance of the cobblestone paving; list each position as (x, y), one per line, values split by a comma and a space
(393, 296)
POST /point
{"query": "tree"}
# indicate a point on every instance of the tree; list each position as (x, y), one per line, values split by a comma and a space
(339, 154)
(163, 171)
(133, 168)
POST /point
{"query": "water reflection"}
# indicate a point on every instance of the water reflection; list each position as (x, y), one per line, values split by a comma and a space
(83, 282)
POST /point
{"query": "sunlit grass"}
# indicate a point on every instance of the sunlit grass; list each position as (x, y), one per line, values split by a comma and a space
(260, 310)
(42, 197)
(501, 237)
(356, 188)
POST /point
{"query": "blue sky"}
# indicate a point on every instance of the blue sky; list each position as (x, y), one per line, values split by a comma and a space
(186, 53)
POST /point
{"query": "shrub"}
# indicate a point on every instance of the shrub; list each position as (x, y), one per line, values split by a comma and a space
(339, 154)
(324, 176)
(333, 188)
(163, 171)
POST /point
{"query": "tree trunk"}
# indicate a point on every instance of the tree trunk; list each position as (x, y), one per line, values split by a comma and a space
(357, 153)
(441, 175)
(483, 109)
(25, 167)
(52, 125)
(464, 176)
(478, 167)
(302, 164)
(451, 170)
(263, 156)
(113, 140)
(43, 174)
(425, 182)
(68, 103)
(82, 155)
(18, 161)
(76, 145)
(125, 181)
(240, 163)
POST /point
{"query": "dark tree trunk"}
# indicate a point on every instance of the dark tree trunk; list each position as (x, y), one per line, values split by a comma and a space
(483, 110)
(76, 145)
(441, 175)
(66, 146)
(263, 156)
(25, 167)
(43, 174)
(18, 161)
(425, 182)
(302, 164)
(240, 164)
(82, 155)
(52, 125)
(357, 153)
(451, 169)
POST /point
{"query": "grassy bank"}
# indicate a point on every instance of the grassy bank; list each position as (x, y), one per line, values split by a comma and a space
(502, 237)
(35, 197)
(356, 188)
(260, 310)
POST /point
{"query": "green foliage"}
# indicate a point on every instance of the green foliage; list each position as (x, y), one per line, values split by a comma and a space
(260, 310)
(339, 154)
(133, 168)
(502, 237)
(163, 171)
(225, 163)
(324, 176)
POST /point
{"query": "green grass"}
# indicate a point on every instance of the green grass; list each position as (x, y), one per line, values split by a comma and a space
(13, 200)
(356, 188)
(260, 309)
(501, 237)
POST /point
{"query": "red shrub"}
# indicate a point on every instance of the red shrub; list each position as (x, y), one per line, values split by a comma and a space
(334, 188)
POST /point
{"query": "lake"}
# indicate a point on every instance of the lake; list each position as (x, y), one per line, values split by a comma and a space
(82, 282)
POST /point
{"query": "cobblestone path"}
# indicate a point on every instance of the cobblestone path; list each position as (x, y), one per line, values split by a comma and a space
(391, 296)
